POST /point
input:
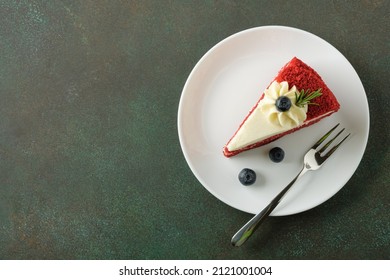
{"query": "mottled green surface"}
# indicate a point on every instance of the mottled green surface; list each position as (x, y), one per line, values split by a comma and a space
(90, 161)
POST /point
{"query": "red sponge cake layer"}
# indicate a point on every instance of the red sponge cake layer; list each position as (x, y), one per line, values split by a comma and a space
(297, 73)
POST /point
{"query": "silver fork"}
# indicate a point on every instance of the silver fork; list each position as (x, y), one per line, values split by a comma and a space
(313, 160)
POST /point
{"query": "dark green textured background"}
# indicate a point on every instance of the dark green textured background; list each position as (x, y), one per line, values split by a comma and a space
(90, 162)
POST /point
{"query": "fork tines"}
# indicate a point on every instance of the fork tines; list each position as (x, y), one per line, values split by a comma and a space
(323, 138)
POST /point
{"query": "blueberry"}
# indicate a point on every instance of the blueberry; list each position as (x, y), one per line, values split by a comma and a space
(283, 103)
(247, 176)
(276, 154)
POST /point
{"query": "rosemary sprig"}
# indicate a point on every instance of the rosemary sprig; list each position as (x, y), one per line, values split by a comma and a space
(305, 97)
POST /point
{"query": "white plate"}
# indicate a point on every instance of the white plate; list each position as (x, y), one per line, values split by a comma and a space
(226, 83)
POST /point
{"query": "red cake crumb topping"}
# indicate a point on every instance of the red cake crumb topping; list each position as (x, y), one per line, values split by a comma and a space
(297, 73)
(304, 77)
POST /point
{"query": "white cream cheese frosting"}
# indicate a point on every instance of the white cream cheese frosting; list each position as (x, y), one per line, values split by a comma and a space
(291, 118)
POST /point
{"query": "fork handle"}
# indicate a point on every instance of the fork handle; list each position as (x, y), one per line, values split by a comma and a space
(246, 231)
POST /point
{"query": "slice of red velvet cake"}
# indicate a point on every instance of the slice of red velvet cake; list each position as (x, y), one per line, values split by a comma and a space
(296, 98)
